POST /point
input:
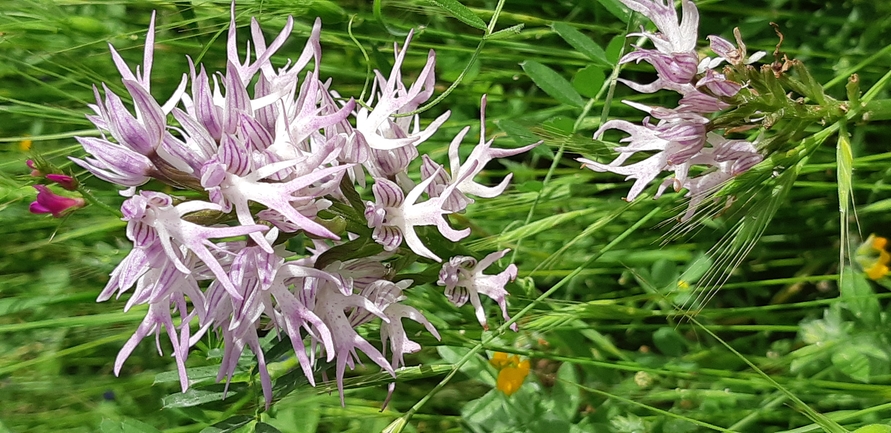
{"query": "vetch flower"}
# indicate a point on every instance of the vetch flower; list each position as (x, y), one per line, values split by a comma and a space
(42, 168)
(512, 372)
(872, 256)
(63, 180)
(464, 281)
(52, 203)
(35, 171)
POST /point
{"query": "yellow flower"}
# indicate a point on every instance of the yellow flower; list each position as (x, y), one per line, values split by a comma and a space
(499, 360)
(873, 257)
(25, 145)
(512, 372)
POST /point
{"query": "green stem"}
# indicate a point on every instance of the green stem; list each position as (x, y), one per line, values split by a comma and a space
(824, 422)
(96, 202)
(491, 337)
(876, 110)
(476, 53)
(368, 73)
(609, 87)
(655, 409)
(380, 17)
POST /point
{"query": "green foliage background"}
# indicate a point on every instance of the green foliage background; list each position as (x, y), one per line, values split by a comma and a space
(610, 351)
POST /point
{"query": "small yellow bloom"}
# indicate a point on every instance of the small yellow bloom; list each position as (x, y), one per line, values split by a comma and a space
(499, 360)
(873, 257)
(25, 145)
(512, 372)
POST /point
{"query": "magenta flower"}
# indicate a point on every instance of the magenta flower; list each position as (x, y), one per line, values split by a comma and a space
(676, 59)
(35, 172)
(157, 211)
(723, 160)
(676, 138)
(63, 180)
(226, 188)
(52, 203)
(379, 129)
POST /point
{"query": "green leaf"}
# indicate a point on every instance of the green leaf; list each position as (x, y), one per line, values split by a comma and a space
(614, 48)
(566, 393)
(192, 397)
(262, 427)
(530, 186)
(697, 268)
(476, 367)
(127, 425)
(109, 426)
(130, 425)
(588, 81)
(506, 33)
(486, 410)
(559, 125)
(852, 363)
(519, 133)
(874, 428)
(616, 8)
(859, 297)
(664, 274)
(353, 249)
(669, 342)
(196, 375)
(328, 11)
(548, 424)
(230, 424)
(581, 43)
(552, 83)
(679, 426)
(348, 189)
(461, 12)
